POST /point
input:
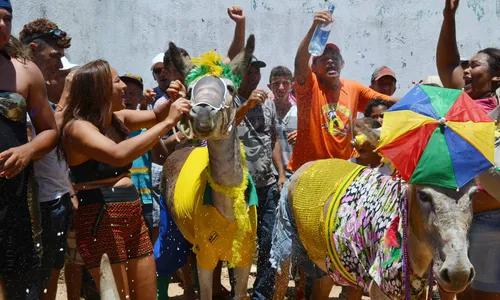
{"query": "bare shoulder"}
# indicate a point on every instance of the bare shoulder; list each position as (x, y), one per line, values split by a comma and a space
(27, 76)
(77, 128)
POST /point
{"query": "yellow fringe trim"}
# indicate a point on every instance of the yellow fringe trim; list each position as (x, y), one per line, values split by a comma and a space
(240, 207)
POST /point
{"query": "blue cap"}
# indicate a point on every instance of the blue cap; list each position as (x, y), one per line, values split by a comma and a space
(6, 4)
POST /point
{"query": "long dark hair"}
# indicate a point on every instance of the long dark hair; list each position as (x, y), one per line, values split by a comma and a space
(89, 99)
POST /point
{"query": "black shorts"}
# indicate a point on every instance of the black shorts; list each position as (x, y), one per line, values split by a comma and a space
(56, 215)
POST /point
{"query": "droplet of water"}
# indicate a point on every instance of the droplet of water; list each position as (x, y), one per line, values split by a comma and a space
(27, 291)
(61, 249)
(45, 291)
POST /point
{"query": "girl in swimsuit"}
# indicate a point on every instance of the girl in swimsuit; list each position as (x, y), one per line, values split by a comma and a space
(94, 137)
(22, 90)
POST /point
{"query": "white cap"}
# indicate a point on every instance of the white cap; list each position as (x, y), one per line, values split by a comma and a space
(434, 79)
(158, 59)
(66, 64)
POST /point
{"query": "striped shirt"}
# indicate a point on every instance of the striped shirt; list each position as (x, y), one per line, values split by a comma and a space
(141, 173)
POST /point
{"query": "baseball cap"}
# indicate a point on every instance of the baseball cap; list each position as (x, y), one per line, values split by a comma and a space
(6, 4)
(133, 78)
(257, 63)
(381, 72)
(330, 47)
(158, 59)
(66, 64)
(433, 79)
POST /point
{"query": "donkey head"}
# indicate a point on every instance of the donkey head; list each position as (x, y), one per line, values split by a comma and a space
(441, 218)
(212, 93)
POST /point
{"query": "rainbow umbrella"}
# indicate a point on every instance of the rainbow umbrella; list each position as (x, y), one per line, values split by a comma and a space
(438, 136)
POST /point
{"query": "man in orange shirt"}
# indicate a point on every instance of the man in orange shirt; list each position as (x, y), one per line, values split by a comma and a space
(326, 103)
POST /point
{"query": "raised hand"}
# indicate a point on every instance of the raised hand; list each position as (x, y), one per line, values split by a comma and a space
(451, 6)
(236, 14)
(323, 17)
(257, 97)
(176, 90)
(178, 109)
(148, 97)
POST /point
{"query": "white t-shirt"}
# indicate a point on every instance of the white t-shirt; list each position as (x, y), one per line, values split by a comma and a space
(51, 174)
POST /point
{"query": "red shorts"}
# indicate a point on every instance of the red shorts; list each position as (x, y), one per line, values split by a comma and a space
(120, 232)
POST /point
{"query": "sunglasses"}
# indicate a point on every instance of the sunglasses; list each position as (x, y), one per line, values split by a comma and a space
(55, 33)
(210, 80)
(157, 71)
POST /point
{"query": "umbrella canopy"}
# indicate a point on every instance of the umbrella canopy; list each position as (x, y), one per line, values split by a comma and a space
(438, 136)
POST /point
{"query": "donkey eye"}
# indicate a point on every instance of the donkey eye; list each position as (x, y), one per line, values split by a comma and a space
(424, 197)
(230, 89)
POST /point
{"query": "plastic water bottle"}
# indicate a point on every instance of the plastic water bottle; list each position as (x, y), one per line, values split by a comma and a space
(320, 36)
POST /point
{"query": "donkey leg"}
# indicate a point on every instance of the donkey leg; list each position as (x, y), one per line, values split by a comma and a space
(241, 275)
(376, 293)
(206, 278)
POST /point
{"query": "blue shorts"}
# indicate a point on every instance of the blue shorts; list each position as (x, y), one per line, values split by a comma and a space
(484, 250)
(170, 249)
(56, 215)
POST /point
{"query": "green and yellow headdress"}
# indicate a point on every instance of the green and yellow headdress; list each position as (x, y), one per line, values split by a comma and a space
(210, 63)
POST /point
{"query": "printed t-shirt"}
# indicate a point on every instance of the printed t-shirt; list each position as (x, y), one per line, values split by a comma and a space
(141, 173)
(324, 128)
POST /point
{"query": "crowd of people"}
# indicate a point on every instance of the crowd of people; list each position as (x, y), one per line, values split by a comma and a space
(82, 151)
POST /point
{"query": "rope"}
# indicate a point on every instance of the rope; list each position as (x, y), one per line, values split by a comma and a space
(185, 127)
(431, 281)
(405, 249)
(406, 264)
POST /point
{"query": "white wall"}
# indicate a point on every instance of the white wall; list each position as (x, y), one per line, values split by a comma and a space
(401, 34)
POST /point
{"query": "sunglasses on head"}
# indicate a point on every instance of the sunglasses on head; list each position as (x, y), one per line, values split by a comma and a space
(55, 33)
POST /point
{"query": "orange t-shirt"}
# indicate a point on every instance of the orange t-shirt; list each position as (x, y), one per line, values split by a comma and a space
(324, 128)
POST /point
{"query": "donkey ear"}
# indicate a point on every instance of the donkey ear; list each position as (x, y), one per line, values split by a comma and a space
(181, 63)
(240, 63)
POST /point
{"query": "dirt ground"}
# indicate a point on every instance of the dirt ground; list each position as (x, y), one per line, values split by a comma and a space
(175, 291)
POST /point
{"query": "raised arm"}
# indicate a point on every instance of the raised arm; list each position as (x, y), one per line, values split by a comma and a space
(257, 97)
(14, 160)
(139, 119)
(447, 56)
(88, 141)
(238, 16)
(302, 69)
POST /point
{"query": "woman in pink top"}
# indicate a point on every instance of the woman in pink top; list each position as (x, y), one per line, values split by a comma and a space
(480, 79)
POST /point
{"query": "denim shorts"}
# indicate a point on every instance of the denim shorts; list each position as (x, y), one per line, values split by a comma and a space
(286, 241)
(56, 215)
(484, 250)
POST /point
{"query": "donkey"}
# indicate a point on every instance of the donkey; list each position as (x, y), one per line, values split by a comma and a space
(213, 119)
(437, 227)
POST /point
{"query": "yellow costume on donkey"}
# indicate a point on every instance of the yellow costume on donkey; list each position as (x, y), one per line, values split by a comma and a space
(213, 236)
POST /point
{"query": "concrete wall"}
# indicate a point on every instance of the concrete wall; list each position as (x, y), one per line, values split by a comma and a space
(401, 34)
